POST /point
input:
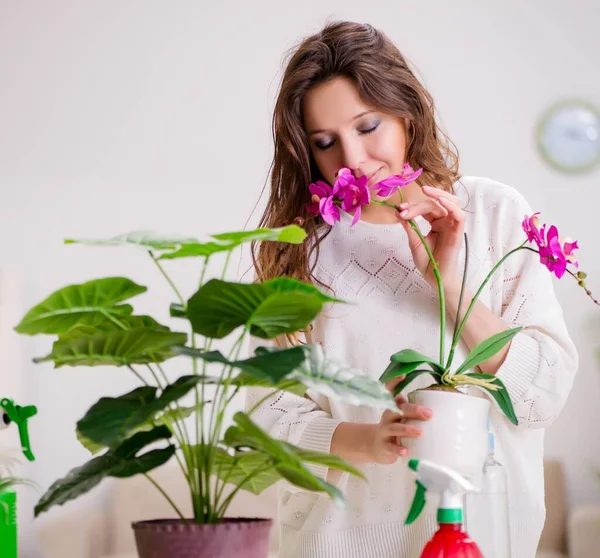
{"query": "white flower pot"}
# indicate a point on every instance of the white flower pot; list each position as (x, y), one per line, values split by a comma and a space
(456, 435)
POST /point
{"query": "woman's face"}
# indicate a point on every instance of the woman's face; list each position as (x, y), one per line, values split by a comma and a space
(344, 132)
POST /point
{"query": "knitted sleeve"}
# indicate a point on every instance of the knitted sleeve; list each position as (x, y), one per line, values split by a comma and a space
(305, 421)
(542, 360)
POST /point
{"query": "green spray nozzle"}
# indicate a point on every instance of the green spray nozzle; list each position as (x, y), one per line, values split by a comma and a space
(19, 415)
(444, 481)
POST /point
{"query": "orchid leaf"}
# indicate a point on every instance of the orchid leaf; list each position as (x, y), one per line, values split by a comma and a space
(487, 349)
(501, 395)
(413, 376)
(405, 362)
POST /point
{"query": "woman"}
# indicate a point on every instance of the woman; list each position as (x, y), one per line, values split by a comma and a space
(348, 99)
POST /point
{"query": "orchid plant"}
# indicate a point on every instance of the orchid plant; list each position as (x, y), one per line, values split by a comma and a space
(351, 194)
(95, 325)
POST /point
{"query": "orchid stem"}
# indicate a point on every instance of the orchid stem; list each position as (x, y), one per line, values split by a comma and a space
(436, 273)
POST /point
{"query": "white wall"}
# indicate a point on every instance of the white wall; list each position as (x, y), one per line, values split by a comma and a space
(130, 114)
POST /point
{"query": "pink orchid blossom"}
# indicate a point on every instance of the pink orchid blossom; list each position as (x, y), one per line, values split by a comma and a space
(389, 185)
(320, 190)
(329, 211)
(555, 253)
(353, 192)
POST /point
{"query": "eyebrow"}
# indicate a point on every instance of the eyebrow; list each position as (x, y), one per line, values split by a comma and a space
(313, 132)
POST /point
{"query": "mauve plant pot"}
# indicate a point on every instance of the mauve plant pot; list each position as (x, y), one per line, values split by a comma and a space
(172, 538)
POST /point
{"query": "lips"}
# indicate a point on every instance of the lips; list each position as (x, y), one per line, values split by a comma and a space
(373, 177)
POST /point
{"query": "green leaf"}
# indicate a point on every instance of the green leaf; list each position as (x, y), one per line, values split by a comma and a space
(92, 447)
(487, 349)
(271, 366)
(226, 242)
(412, 376)
(246, 380)
(339, 382)
(405, 362)
(114, 348)
(237, 468)
(287, 460)
(501, 396)
(124, 461)
(114, 419)
(268, 309)
(90, 304)
(147, 240)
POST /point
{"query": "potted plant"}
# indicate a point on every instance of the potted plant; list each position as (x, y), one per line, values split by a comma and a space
(143, 429)
(456, 436)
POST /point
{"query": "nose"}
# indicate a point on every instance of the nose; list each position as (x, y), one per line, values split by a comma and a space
(353, 153)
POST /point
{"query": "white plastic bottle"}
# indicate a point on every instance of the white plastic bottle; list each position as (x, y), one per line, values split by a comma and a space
(487, 512)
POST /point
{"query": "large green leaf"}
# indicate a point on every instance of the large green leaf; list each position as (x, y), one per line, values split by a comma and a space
(114, 419)
(268, 309)
(501, 395)
(124, 461)
(287, 460)
(246, 380)
(88, 303)
(114, 348)
(292, 234)
(339, 382)
(271, 366)
(147, 240)
(237, 468)
(405, 362)
(487, 349)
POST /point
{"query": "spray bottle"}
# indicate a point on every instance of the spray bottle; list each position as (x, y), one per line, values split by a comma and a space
(11, 413)
(450, 540)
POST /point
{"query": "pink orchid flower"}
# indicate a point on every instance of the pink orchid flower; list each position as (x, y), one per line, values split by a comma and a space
(389, 185)
(353, 192)
(319, 191)
(555, 254)
(329, 211)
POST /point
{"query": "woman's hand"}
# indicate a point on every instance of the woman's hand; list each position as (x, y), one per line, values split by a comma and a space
(442, 211)
(386, 445)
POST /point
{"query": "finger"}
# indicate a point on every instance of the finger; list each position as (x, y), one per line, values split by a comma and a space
(453, 209)
(411, 411)
(403, 430)
(391, 385)
(438, 194)
(429, 209)
(400, 399)
(395, 449)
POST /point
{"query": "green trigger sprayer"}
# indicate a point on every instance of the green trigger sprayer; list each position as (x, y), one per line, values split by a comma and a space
(12, 413)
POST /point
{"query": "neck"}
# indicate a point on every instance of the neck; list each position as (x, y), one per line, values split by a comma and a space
(383, 215)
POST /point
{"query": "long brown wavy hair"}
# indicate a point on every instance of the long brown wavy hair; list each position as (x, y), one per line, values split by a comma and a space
(385, 82)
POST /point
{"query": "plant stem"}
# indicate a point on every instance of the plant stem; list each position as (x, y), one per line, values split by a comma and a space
(436, 273)
(139, 376)
(164, 274)
(481, 287)
(158, 487)
(460, 300)
(221, 511)
(199, 394)
(156, 378)
(220, 405)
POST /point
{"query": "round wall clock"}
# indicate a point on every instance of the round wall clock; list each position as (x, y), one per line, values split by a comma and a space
(568, 136)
